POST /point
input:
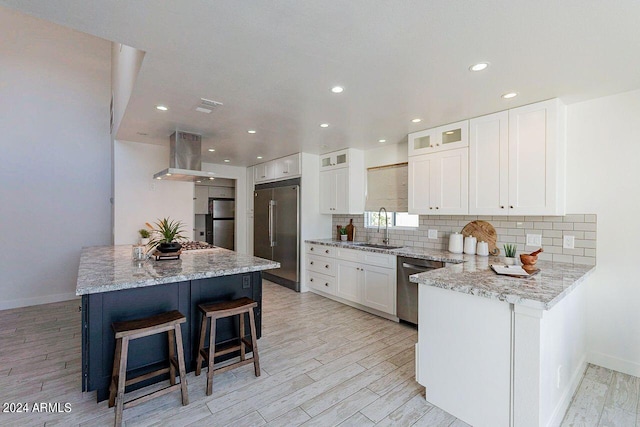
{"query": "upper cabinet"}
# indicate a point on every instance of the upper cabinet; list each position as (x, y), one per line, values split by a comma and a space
(438, 183)
(278, 169)
(200, 200)
(342, 176)
(517, 161)
(448, 137)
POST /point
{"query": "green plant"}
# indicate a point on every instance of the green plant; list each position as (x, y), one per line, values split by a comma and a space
(509, 250)
(166, 231)
(144, 233)
(343, 231)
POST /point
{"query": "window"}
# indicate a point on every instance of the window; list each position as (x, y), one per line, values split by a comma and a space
(394, 219)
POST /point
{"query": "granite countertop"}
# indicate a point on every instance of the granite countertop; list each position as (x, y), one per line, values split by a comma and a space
(111, 268)
(472, 274)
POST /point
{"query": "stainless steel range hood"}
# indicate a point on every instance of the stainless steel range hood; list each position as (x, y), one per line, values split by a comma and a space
(185, 159)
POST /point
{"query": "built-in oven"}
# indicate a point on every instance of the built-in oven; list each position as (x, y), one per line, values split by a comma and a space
(407, 299)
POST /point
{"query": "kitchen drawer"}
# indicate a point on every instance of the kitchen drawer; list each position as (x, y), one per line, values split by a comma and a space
(321, 264)
(365, 257)
(323, 250)
(321, 282)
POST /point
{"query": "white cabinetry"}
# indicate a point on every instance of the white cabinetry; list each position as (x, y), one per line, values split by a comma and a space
(365, 280)
(278, 169)
(438, 182)
(342, 182)
(454, 135)
(201, 200)
(517, 161)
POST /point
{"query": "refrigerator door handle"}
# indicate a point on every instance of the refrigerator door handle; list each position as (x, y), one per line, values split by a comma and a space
(272, 204)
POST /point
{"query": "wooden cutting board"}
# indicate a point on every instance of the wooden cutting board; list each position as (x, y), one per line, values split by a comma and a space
(484, 232)
(351, 231)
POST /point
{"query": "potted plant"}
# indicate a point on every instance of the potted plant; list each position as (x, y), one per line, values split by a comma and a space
(145, 236)
(343, 233)
(166, 235)
(510, 254)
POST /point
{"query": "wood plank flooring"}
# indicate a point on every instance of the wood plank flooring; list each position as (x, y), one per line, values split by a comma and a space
(323, 364)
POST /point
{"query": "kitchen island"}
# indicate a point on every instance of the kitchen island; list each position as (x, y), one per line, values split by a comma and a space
(502, 351)
(115, 288)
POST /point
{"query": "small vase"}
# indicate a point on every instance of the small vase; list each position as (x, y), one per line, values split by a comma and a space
(343, 237)
(510, 260)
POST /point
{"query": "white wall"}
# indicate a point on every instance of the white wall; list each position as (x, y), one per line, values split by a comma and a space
(138, 198)
(603, 176)
(56, 156)
(125, 66)
(240, 175)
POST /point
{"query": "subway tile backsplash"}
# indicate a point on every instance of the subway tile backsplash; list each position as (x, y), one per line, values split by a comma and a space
(511, 229)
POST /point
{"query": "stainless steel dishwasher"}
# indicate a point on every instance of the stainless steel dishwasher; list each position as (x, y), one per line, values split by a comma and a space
(407, 300)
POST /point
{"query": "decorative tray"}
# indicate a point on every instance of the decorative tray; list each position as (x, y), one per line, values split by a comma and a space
(514, 270)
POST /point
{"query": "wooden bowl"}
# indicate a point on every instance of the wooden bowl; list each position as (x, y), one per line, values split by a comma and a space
(527, 259)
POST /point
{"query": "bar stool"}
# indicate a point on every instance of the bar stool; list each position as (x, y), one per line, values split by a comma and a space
(132, 329)
(220, 310)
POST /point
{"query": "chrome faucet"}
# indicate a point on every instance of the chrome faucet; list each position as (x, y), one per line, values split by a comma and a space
(386, 225)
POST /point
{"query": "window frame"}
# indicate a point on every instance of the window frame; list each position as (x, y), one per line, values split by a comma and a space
(392, 222)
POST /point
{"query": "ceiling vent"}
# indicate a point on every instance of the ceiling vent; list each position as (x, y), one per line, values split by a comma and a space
(207, 105)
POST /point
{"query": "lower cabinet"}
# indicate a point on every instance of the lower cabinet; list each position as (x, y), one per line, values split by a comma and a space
(364, 278)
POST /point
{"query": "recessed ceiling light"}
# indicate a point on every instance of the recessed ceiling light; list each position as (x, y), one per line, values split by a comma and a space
(161, 108)
(259, 157)
(212, 149)
(204, 110)
(416, 120)
(168, 174)
(479, 66)
(382, 140)
(198, 181)
(510, 95)
(337, 89)
(449, 132)
(324, 125)
(211, 178)
(251, 131)
(159, 177)
(227, 160)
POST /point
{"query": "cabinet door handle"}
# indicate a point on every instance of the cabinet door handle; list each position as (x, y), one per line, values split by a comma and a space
(311, 263)
(510, 207)
(437, 207)
(311, 280)
(326, 266)
(311, 249)
(285, 172)
(431, 207)
(326, 284)
(326, 251)
(501, 207)
(437, 145)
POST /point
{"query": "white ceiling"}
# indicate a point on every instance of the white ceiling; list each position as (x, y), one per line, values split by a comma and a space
(272, 64)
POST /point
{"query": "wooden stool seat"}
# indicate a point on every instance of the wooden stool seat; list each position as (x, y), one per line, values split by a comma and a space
(129, 330)
(219, 310)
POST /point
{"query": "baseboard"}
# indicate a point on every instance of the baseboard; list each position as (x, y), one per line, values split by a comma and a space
(567, 395)
(617, 364)
(44, 299)
(358, 306)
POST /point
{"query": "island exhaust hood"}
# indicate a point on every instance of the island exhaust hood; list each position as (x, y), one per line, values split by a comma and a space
(185, 159)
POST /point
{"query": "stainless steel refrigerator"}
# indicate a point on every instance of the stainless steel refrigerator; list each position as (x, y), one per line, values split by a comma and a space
(276, 230)
(220, 223)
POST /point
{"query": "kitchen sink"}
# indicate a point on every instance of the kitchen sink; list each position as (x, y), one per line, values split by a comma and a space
(377, 246)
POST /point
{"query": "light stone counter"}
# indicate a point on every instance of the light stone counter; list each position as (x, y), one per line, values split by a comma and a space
(110, 268)
(472, 275)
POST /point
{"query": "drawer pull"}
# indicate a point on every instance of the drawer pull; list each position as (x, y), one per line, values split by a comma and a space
(311, 280)
(311, 263)
(326, 266)
(326, 251)
(311, 249)
(326, 284)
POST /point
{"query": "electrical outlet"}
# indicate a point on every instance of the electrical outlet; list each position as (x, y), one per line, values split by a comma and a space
(569, 242)
(534, 239)
(432, 234)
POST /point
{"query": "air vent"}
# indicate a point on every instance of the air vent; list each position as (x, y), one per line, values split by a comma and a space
(208, 103)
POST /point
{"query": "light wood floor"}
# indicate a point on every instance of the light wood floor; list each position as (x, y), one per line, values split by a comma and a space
(323, 364)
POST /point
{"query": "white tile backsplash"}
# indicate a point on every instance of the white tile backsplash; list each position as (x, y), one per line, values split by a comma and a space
(509, 229)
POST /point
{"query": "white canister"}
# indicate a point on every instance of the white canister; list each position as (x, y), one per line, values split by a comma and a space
(470, 245)
(455, 243)
(482, 249)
